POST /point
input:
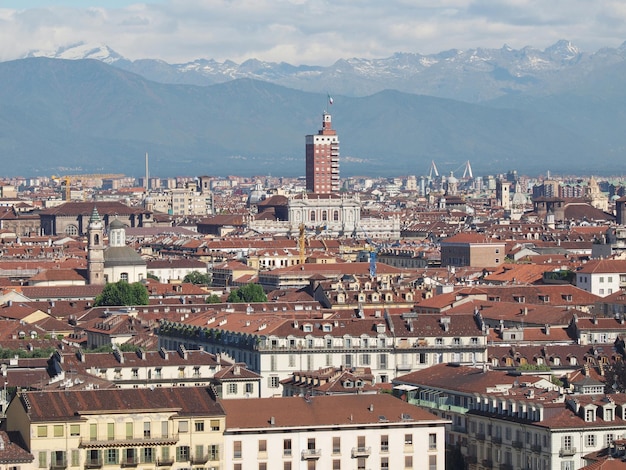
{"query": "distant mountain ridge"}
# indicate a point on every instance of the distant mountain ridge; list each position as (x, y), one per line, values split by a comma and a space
(473, 75)
(91, 117)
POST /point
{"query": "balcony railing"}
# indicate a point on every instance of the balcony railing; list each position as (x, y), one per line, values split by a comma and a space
(93, 463)
(311, 454)
(496, 440)
(130, 462)
(361, 452)
(165, 462)
(138, 441)
(58, 464)
(199, 459)
(536, 448)
(480, 436)
(517, 444)
(567, 451)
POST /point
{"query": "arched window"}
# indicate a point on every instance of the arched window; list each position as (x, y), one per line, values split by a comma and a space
(96, 239)
(124, 277)
(71, 230)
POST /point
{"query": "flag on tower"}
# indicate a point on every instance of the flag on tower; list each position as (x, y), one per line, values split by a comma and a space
(330, 99)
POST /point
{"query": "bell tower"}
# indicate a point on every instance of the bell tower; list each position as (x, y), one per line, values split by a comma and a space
(95, 249)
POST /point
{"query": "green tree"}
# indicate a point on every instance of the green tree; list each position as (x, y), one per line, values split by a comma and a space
(123, 293)
(248, 293)
(196, 277)
(615, 377)
(154, 277)
(213, 299)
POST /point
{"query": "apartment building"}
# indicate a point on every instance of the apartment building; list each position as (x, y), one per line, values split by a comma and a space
(602, 277)
(331, 432)
(516, 421)
(164, 427)
(275, 345)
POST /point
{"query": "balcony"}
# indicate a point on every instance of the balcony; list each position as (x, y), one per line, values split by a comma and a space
(87, 443)
(361, 452)
(311, 454)
(536, 448)
(404, 367)
(165, 462)
(129, 462)
(517, 444)
(199, 459)
(58, 464)
(496, 440)
(567, 451)
(93, 463)
(488, 463)
(480, 436)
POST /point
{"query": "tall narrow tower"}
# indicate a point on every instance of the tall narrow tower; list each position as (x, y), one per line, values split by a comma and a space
(95, 249)
(322, 159)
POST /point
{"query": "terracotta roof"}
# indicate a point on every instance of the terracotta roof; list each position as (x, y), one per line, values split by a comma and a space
(323, 410)
(11, 452)
(70, 404)
(86, 208)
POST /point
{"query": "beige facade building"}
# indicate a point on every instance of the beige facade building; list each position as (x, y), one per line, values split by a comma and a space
(175, 428)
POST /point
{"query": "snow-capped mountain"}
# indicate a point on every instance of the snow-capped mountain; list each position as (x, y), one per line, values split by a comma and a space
(473, 75)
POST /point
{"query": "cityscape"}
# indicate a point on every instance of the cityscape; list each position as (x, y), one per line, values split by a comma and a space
(307, 235)
(446, 320)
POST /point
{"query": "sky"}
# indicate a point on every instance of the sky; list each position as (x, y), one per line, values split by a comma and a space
(313, 32)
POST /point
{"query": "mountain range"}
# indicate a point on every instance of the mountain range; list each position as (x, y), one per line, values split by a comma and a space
(557, 109)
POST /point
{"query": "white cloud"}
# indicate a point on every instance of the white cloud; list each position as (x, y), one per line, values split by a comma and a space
(311, 31)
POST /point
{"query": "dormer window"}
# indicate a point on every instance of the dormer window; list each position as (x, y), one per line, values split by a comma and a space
(380, 328)
(439, 341)
(327, 327)
(590, 415)
(544, 298)
(307, 328)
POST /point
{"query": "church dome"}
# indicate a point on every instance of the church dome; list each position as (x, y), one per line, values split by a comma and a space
(116, 225)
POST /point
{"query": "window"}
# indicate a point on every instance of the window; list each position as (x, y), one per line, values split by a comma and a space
(567, 465)
(214, 452)
(215, 425)
(249, 388)
(182, 453)
(408, 439)
(262, 465)
(590, 440)
(146, 429)
(384, 463)
(432, 441)
(439, 341)
(286, 465)
(75, 458)
(164, 429)
(273, 381)
(124, 277)
(199, 426)
(43, 459)
(147, 455)
(336, 464)
(287, 447)
(432, 462)
(232, 389)
(237, 449)
(456, 341)
(408, 461)
(42, 431)
(111, 456)
(384, 443)
(135, 373)
(262, 445)
(129, 430)
(310, 443)
(183, 426)
(93, 431)
(608, 440)
(110, 431)
(589, 415)
(336, 445)
(58, 430)
(74, 429)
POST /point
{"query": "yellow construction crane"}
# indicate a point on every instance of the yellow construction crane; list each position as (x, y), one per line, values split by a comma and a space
(68, 180)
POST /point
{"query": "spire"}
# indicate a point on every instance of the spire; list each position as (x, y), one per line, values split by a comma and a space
(95, 215)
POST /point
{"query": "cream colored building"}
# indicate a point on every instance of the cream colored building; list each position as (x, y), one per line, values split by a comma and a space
(175, 428)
